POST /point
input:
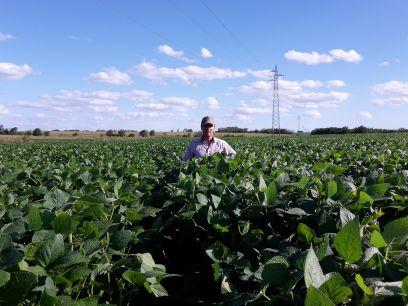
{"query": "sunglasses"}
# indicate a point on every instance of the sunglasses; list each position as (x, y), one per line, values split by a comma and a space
(208, 125)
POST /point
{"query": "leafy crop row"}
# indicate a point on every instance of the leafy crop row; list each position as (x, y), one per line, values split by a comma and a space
(289, 221)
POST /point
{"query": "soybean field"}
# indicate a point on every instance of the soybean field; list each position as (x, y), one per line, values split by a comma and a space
(287, 221)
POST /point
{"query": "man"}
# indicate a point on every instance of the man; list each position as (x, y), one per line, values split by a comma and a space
(207, 144)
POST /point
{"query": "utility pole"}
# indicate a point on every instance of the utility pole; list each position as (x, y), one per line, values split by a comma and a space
(275, 108)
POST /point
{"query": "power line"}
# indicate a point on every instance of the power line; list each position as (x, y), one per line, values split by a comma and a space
(198, 25)
(232, 34)
(149, 29)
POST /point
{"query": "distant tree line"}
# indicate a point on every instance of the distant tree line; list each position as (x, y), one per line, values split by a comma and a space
(14, 131)
(358, 130)
(234, 129)
(122, 133)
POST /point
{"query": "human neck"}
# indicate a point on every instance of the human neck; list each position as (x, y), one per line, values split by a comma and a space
(207, 140)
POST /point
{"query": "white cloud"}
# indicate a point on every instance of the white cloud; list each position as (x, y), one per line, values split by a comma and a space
(212, 103)
(366, 114)
(5, 37)
(10, 71)
(313, 113)
(350, 56)
(332, 96)
(41, 115)
(111, 76)
(166, 49)
(232, 118)
(137, 95)
(313, 58)
(390, 93)
(335, 83)
(384, 64)
(311, 84)
(253, 110)
(100, 102)
(206, 53)
(30, 104)
(262, 74)
(391, 88)
(3, 110)
(61, 109)
(310, 58)
(188, 74)
(153, 106)
(182, 101)
(78, 96)
(104, 109)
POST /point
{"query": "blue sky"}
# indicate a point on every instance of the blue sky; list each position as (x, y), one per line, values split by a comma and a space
(165, 64)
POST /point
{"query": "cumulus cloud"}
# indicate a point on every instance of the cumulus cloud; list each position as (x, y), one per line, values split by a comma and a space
(313, 58)
(233, 118)
(187, 75)
(313, 113)
(41, 115)
(169, 51)
(98, 118)
(111, 76)
(213, 103)
(390, 93)
(5, 37)
(3, 110)
(366, 114)
(138, 95)
(335, 83)
(253, 110)
(10, 71)
(166, 49)
(103, 109)
(206, 53)
(262, 74)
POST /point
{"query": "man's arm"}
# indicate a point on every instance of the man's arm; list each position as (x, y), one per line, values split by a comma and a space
(228, 150)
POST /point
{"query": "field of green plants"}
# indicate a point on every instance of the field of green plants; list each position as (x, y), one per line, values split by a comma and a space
(288, 221)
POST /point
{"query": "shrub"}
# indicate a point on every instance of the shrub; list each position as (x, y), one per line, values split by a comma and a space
(121, 133)
(152, 133)
(144, 133)
(37, 132)
(110, 133)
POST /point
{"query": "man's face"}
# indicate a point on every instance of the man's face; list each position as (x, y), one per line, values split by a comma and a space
(208, 130)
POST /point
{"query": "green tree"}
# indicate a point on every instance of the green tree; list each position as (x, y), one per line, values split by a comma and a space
(144, 133)
(37, 132)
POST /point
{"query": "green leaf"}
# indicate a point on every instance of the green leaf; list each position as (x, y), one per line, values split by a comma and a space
(215, 200)
(134, 277)
(275, 271)
(50, 250)
(5, 243)
(69, 259)
(4, 277)
(396, 231)
(362, 285)
(348, 242)
(377, 190)
(202, 199)
(345, 216)
(271, 193)
(120, 239)
(34, 219)
(16, 289)
(331, 189)
(55, 199)
(336, 289)
(262, 184)
(316, 297)
(364, 198)
(313, 272)
(63, 224)
(377, 240)
(305, 233)
(78, 273)
(404, 287)
(158, 290)
(303, 182)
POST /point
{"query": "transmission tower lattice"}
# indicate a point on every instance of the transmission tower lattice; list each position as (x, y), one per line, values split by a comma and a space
(275, 109)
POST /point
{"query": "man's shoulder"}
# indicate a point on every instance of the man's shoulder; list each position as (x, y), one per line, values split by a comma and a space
(218, 140)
